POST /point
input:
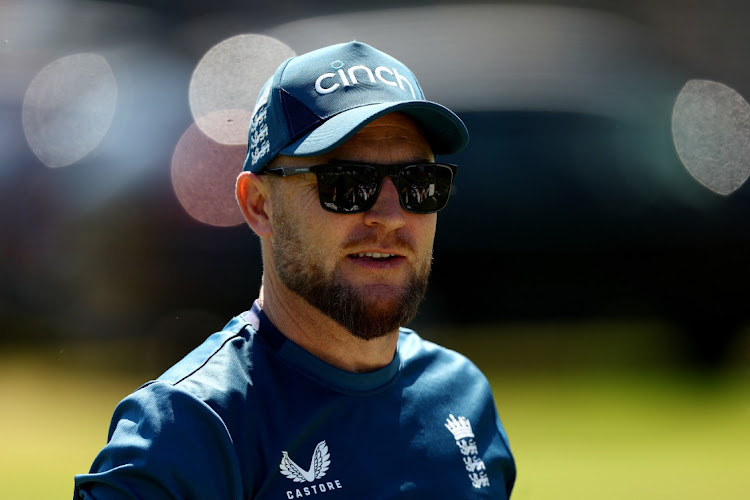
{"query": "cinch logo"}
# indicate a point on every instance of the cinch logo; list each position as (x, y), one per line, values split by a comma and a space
(321, 461)
(330, 82)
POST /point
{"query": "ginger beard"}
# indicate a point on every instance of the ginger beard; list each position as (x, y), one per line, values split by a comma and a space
(365, 317)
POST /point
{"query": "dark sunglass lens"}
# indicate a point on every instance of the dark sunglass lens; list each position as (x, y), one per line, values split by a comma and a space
(425, 188)
(347, 189)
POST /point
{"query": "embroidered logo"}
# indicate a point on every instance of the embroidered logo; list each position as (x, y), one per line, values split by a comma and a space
(259, 143)
(461, 429)
(319, 465)
(327, 83)
(321, 460)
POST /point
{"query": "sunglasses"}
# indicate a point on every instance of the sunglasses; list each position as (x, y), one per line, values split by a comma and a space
(352, 188)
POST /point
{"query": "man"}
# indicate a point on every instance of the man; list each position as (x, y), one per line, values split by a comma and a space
(316, 391)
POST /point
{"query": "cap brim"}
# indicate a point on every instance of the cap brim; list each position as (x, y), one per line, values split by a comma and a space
(444, 131)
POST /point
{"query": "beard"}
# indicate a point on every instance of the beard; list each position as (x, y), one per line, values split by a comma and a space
(365, 317)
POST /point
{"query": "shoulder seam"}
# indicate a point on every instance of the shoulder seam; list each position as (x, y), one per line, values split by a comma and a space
(208, 358)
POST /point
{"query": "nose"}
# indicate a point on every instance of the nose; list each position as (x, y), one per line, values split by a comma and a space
(386, 211)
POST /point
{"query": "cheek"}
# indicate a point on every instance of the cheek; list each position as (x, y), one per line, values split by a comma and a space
(306, 199)
(321, 230)
(324, 233)
(424, 229)
(424, 235)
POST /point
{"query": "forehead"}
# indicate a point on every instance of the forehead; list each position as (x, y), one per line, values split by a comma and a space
(393, 138)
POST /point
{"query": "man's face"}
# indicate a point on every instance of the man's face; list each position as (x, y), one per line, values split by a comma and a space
(366, 271)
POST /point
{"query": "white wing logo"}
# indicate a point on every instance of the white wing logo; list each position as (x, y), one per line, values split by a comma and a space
(319, 464)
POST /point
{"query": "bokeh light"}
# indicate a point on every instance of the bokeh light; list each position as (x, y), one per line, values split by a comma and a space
(711, 130)
(68, 108)
(203, 177)
(226, 82)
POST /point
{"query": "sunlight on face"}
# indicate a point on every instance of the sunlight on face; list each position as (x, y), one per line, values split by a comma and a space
(317, 253)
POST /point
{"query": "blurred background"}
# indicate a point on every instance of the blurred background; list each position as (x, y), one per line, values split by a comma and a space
(592, 261)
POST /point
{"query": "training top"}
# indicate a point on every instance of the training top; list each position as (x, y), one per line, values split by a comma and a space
(249, 414)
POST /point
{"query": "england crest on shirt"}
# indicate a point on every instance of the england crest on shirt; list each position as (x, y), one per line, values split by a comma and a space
(464, 436)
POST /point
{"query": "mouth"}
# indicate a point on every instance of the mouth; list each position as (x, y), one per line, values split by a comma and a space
(377, 260)
(373, 255)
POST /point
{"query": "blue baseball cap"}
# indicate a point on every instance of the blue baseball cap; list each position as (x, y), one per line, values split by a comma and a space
(317, 101)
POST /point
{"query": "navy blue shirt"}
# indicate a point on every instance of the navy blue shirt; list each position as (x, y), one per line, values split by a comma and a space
(250, 414)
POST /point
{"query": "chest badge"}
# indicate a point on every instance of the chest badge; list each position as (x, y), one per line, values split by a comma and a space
(321, 461)
(461, 429)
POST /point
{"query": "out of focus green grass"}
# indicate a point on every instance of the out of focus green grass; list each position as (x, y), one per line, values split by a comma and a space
(591, 431)
(624, 436)
(609, 410)
(53, 421)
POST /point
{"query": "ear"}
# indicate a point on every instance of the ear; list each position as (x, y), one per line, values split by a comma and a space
(253, 196)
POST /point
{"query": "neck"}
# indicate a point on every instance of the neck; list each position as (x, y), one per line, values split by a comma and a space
(318, 334)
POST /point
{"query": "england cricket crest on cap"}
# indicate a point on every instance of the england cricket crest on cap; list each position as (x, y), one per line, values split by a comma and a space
(258, 142)
(464, 435)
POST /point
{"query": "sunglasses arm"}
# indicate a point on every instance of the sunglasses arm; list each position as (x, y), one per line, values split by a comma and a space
(287, 171)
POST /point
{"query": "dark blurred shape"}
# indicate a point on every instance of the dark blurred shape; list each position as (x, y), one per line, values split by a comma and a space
(506, 57)
(527, 238)
(176, 334)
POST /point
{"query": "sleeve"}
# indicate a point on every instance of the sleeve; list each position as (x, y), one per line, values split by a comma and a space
(509, 465)
(163, 443)
(505, 467)
(500, 463)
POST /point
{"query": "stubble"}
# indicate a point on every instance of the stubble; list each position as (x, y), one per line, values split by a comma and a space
(365, 317)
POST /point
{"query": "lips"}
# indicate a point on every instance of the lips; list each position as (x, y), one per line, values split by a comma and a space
(377, 259)
(374, 255)
(375, 249)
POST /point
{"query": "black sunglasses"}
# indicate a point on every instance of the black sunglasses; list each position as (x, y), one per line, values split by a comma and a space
(352, 188)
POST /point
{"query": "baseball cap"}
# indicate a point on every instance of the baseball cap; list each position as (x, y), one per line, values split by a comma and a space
(316, 101)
